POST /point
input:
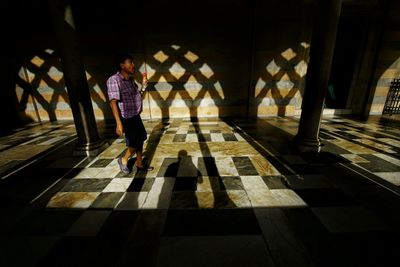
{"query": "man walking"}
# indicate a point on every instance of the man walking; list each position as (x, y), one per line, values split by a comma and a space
(126, 104)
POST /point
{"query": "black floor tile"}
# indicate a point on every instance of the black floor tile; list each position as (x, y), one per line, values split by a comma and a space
(325, 136)
(179, 138)
(229, 137)
(244, 166)
(107, 200)
(100, 163)
(207, 166)
(377, 164)
(169, 168)
(230, 183)
(347, 135)
(185, 184)
(141, 184)
(275, 182)
(86, 185)
(204, 137)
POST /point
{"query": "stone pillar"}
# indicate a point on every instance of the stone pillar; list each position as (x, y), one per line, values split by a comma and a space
(89, 142)
(327, 14)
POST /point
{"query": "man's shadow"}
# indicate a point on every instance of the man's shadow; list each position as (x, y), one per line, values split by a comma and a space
(188, 176)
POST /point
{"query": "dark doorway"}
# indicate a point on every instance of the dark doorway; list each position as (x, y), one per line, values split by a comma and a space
(347, 49)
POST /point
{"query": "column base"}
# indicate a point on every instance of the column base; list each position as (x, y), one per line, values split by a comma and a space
(304, 145)
(90, 149)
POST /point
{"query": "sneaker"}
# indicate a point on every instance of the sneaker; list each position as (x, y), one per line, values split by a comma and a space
(124, 168)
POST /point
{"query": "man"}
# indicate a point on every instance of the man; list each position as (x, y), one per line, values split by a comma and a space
(126, 104)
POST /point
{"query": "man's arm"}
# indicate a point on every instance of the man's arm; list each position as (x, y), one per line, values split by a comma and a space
(114, 107)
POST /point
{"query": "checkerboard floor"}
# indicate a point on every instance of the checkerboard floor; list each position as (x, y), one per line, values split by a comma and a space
(225, 193)
(372, 146)
(205, 164)
(28, 142)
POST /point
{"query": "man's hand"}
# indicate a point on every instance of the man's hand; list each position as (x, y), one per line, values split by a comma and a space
(144, 82)
(120, 129)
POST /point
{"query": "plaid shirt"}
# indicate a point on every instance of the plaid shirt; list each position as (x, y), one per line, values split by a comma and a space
(127, 93)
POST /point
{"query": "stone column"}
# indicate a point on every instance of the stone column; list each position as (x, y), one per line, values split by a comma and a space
(89, 142)
(326, 14)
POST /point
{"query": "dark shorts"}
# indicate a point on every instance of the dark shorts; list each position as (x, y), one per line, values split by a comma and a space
(135, 133)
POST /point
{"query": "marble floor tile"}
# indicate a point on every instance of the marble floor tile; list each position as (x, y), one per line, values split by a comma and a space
(226, 166)
(275, 181)
(23, 152)
(107, 200)
(287, 197)
(132, 201)
(275, 198)
(229, 137)
(179, 138)
(167, 139)
(388, 158)
(390, 141)
(231, 183)
(254, 183)
(238, 148)
(112, 151)
(141, 184)
(118, 185)
(244, 166)
(354, 158)
(263, 166)
(239, 137)
(208, 184)
(187, 200)
(72, 200)
(207, 166)
(376, 145)
(159, 196)
(377, 164)
(100, 163)
(168, 168)
(156, 163)
(187, 167)
(391, 177)
(352, 147)
(217, 137)
(88, 173)
(192, 138)
(86, 185)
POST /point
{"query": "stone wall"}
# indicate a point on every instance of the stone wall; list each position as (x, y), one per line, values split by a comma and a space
(199, 58)
(388, 65)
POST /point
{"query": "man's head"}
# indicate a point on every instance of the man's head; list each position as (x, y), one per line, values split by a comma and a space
(125, 63)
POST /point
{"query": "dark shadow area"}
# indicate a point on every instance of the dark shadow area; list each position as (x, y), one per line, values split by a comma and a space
(336, 227)
(325, 180)
(186, 177)
(345, 59)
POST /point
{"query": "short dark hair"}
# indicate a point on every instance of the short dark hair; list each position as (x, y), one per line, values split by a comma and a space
(120, 58)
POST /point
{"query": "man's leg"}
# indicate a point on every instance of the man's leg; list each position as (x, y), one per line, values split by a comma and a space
(139, 159)
(129, 152)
